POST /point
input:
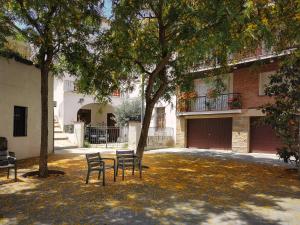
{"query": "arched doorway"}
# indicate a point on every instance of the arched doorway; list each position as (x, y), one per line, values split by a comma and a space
(84, 115)
(96, 114)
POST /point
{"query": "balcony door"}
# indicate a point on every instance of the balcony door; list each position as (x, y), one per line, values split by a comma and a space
(203, 87)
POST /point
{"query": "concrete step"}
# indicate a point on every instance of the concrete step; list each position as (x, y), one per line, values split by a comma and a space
(58, 131)
(60, 135)
(63, 144)
(61, 138)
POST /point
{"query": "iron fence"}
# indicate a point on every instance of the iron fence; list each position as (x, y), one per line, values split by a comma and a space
(205, 103)
(104, 136)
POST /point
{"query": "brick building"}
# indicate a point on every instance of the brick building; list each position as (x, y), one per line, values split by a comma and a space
(229, 121)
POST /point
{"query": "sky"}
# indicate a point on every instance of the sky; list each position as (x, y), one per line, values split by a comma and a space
(107, 8)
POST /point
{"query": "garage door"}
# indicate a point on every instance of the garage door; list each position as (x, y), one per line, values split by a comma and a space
(212, 133)
(263, 138)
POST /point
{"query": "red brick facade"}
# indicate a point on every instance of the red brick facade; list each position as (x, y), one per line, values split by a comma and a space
(246, 82)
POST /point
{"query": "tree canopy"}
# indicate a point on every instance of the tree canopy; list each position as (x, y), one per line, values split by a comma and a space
(50, 26)
(163, 41)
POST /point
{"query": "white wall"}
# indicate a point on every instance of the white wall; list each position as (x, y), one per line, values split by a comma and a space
(58, 89)
(20, 86)
(99, 113)
(170, 111)
(69, 102)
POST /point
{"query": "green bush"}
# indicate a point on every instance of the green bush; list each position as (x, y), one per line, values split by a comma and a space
(128, 109)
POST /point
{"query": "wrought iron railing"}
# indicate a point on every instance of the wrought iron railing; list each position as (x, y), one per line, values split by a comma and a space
(204, 103)
(106, 135)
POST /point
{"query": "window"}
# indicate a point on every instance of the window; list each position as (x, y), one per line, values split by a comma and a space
(20, 121)
(264, 80)
(160, 117)
(116, 93)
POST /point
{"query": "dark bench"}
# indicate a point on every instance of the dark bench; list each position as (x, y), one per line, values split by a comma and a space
(7, 159)
(127, 158)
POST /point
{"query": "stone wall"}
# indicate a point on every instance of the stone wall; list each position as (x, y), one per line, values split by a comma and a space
(181, 132)
(240, 134)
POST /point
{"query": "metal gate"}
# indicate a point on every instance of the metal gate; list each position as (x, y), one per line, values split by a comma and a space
(104, 136)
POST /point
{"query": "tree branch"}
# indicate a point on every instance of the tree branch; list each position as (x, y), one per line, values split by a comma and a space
(142, 67)
(154, 74)
(30, 19)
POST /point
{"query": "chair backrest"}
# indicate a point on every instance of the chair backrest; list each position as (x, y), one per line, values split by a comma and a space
(125, 154)
(3, 144)
(93, 157)
(3, 151)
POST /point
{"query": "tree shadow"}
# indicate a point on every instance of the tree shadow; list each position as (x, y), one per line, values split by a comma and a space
(176, 189)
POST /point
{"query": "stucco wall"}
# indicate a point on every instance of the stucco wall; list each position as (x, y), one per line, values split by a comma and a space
(20, 86)
(99, 113)
(69, 102)
(58, 96)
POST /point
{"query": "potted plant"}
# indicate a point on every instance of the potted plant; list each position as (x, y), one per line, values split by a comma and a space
(234, 103)
(184, 100)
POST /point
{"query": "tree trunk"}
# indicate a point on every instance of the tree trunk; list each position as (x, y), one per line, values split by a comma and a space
(43, 164)
(145, 129)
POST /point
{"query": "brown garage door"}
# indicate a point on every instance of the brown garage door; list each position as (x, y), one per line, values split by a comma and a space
(263, 138)
(212, 133)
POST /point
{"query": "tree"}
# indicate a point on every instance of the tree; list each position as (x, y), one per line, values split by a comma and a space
(5, 30)
(163, 41)
(127, 110)
(283, 114)
(50, 26)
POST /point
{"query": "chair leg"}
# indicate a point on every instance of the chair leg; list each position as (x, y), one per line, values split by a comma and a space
(133, 167)
(117, 170)
(15, 172)
(123, 171)
(114, 174)
(8, 170)
(140, 169)
(87, 177)
(99, 174)
(103, 177)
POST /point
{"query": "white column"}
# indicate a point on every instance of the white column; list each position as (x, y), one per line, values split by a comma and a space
(134, 132)
(79, 133)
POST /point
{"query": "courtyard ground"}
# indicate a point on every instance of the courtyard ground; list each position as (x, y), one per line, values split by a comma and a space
(177, 188)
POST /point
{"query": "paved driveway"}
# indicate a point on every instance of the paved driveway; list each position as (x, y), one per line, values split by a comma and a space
(221, 154)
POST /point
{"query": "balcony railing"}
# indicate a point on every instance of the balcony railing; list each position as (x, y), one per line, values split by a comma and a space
(222, 102)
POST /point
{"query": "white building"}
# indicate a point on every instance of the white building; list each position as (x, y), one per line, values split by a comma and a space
(20, 107)
(72, 107)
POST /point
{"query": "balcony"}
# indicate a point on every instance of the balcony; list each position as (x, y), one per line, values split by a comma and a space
(223, 103)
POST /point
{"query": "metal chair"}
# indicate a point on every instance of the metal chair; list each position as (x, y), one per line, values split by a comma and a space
(97, 163)
(7, 159)
(127, 158)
